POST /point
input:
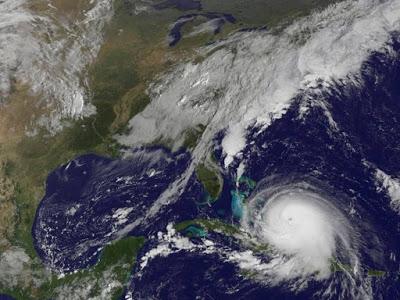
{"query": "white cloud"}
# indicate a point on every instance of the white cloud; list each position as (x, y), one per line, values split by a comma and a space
(391, 186)
(252, 76)
(50, 55)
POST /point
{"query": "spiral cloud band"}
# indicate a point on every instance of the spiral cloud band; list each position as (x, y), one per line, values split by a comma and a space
(305, 229)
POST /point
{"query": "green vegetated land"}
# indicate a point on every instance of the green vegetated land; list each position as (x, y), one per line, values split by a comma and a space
(210, 179)
(133, 53)
(376, 273)
(111, 273)
(192, 136)
(201, 227)
(209, 225)
(337, 266)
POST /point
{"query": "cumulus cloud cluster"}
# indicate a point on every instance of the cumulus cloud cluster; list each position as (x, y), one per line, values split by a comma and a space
(391, 185)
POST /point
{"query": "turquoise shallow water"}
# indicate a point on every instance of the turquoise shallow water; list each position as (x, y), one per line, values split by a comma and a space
(86, 198)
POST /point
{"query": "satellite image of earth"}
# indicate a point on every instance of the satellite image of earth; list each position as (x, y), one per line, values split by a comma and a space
(200, 149)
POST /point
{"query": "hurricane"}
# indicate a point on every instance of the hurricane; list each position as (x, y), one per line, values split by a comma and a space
(192, 149)
(305, 227)
(308, 234)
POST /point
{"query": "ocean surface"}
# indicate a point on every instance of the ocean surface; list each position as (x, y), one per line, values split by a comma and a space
(331, 141)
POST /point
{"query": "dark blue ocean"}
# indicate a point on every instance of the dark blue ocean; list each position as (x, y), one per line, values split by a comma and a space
(75, 218)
